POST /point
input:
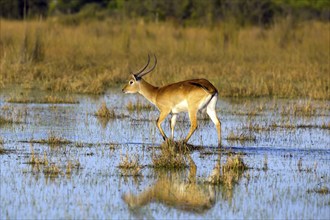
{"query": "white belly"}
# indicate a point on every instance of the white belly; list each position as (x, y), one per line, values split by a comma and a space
(180, 107)
(183, 106)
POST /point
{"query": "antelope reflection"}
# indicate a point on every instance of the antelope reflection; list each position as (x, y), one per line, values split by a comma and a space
(172, 191)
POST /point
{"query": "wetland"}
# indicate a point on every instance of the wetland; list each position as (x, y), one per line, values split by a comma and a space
(102, 157)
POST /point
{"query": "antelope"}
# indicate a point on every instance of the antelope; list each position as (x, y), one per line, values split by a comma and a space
(186, 96)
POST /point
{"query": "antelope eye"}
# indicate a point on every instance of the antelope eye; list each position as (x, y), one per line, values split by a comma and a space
(131, 82)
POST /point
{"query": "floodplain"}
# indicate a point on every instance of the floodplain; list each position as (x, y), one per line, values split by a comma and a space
(102, 157)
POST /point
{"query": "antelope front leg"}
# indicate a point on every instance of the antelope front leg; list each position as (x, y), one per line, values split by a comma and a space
(161, 118)
(193, 124)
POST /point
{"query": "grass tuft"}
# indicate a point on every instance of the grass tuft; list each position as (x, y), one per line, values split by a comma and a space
(138, 106)
(51, 140)
(52, 171)
(4, 121)
(241, 137)
(172, 155)
(105, 112)
(130, 166)
(229, 173)
(2, 149)
(321, 190)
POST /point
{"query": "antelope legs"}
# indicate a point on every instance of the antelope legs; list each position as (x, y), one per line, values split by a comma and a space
(193, 124)
(173, 120)
(213, 115)
(161, 118)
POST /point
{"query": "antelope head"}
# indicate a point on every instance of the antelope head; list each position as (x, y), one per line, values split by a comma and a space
(133, 85)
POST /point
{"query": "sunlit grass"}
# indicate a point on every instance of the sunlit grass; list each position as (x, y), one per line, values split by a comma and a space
(51, 140)
(320, 190)
(105, 112)
(229, 173)
(92, 56)
(43, 100)
(138, 106)
(299, 109)
(2, 149)
(130, 165)
(4, 121)
(242, 136)
(171, 155)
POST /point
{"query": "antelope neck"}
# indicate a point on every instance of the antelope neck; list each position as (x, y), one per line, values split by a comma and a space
(148, 91)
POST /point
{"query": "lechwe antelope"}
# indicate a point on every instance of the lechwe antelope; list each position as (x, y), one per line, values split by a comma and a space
(185, 96)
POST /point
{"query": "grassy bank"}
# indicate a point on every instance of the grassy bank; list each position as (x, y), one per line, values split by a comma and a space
(288, 60)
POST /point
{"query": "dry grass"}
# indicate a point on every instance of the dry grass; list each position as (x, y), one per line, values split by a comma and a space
(36, 160)
(105, 112)
(4, 121)
(43, 100)
(51, 140)
(138, 106)
(172, 155)
(243, 136)
(52, 171)
(299, 109)
(70, 166)
(92, 56)
(130, 166)
(2, 149)
(229, 173)
(320, 190)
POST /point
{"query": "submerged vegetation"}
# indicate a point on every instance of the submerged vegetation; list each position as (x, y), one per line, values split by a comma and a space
(287, 59)
(130, 165)
(321, 190)
(2, 149)
(244, 136)
(138, 106)
(48, 168)
(229, 173)
(4, 121)
(51, 140)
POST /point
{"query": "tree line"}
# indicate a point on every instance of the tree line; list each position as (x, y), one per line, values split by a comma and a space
(243, 12)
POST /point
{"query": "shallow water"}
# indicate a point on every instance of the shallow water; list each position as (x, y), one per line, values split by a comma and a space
(296, 151)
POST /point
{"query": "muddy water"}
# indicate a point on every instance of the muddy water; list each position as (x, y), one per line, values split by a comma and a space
(288, 158)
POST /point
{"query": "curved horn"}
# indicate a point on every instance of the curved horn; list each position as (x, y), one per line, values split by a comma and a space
(148, 71)
(141, 70)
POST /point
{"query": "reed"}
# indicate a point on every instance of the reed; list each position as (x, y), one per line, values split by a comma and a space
(92, 56)
(105, 112)
(172, 155)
